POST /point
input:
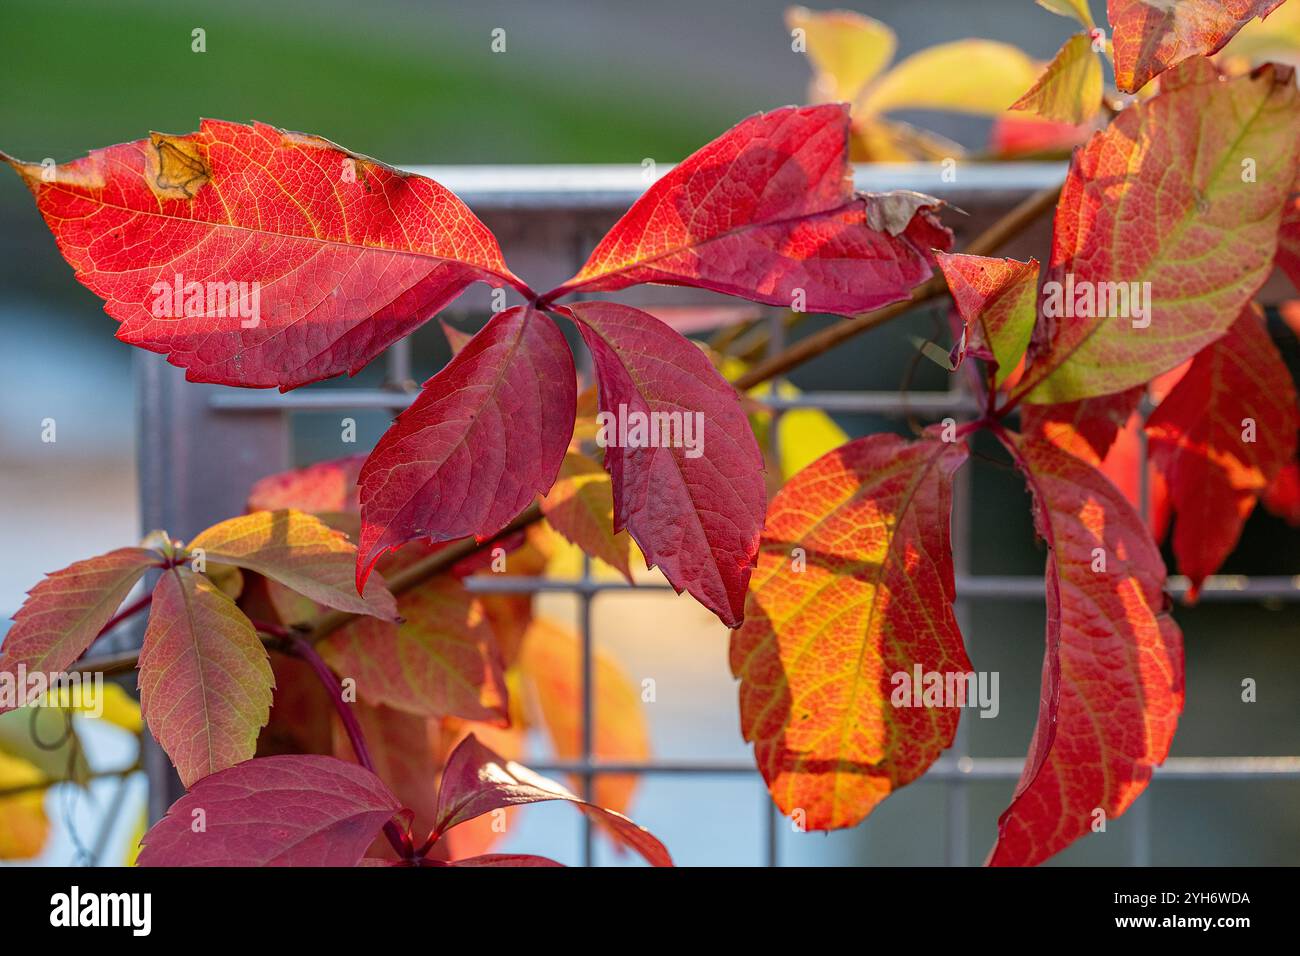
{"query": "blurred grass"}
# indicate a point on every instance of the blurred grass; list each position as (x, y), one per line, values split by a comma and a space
(83, 75)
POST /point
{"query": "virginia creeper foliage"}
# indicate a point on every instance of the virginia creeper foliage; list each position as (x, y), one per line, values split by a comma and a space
(1170, 220)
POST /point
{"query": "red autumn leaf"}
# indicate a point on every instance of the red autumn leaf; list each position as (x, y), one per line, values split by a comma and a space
(767, 212)
(478, 836)
(1086, 428)
(1136, 222)
(1282, 497)
(997, 301)
(1113, 670)
(325, 487)
(295, 810)
(1288, 242)
(1221, 437)
(1094, 430)
(205, 681)
(695, 511)
(829, 627)
(477, 781)
(486, 435)
(441, 660)
(288, 258)
(1019, 136)
(64, 614)
(1150, 36)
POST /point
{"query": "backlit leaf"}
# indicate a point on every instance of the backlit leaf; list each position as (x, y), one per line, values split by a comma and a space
(1070, 88)
(327, 486)
(298, 551)
(1282, 497)
(205, 682)
(1150, 36)
(551, 660)
(485, 436)
(695, 507)
(1113, 671)
(347, 255)
(854, 586)
(23, 824)
(478, 781)
(767, 212)
(968, 76)
(440, 660)
(580, 505)
(847, 49)
(1135, 211)
(1221, 437)
(65, 612)
(1069, 8)
(997, 300)
(294, 810)
(1107, 432)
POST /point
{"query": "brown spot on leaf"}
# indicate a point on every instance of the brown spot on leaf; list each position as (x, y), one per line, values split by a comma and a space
(176, 168)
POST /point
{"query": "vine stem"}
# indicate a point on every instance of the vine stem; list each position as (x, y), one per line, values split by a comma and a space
(132, 609)
(398, 837)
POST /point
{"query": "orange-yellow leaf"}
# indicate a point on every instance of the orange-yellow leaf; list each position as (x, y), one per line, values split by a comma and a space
(854, 588)
(967, 76)
(847, 49)
(23, 824)
(1070, 88)
(440, 660)
(1150, 36)
(299, 551)
(580, 505)
(551, 660)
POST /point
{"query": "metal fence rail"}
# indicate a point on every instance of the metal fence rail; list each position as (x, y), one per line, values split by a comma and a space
(201, 447)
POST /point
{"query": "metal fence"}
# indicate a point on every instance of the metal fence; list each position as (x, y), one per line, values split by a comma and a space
(201, 447)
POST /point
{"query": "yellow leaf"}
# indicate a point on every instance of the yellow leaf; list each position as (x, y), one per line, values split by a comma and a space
(1078, 9)
(877, 140)
(23, 824)
(966, 76)
(804, 434)
(1275, 38)
(1070, 89)
(847, 49)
